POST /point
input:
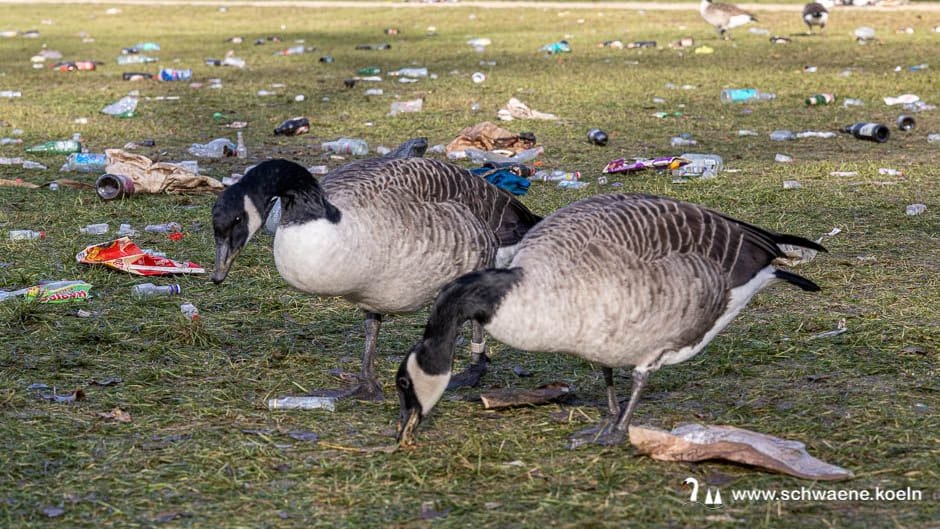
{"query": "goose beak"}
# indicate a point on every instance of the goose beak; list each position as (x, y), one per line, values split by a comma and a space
(224, 256)
(406, 426)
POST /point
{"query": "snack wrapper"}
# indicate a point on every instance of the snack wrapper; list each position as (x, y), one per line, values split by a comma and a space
(52, 292)
(122, 254)
(620, 165)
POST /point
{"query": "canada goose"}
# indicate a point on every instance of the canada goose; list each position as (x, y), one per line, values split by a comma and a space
(724, 16)
(815, 14)
(385, 234)
(620, 280)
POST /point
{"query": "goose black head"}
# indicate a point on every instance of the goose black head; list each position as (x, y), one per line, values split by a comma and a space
(419, 389)
(241, 210)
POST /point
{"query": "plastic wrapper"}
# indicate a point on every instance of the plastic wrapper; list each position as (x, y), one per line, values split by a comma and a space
(122, 254)
(52, 292)
(621, 165)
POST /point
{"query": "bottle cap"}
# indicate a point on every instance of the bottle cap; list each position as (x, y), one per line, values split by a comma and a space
(42, 235)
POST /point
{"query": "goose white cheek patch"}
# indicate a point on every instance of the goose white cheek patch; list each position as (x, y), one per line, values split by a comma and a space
(254, 217)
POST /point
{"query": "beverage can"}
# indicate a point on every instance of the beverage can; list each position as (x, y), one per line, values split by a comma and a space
(111, 186)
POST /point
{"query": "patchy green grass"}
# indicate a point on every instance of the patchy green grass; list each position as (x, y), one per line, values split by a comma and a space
(202, 450)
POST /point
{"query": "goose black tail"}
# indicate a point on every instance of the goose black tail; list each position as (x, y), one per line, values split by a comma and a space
(515, 222)
(797, 280)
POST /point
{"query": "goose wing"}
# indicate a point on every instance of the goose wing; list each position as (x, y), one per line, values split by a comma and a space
(396, 182)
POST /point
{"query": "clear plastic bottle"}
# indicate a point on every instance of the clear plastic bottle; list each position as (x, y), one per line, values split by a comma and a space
(410, 72)
(556, 175)
(95, 229)
(401, 107)
(742, 95)
(85, 162)
(679, 141)
(302, 403)
(10, 94)
(24, 235)
(135, 59)
(122, 108)
(352, 146)
(216, 148)
(146, 290)
(189, 311)
(168, 227)
(700, 166)
(933, 138)
(241, 151)
(782, 135)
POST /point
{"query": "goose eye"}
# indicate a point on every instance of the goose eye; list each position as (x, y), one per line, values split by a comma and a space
(404, 383)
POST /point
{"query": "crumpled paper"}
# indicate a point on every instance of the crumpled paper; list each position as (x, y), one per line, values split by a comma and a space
(488, 137)
(516, 109)
(159, 177)
(122, 254)
(698, 442)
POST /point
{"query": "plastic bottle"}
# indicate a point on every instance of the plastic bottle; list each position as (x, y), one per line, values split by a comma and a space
(820, 99)
(241, 151)
(782, 135)
(642, 44)
(172, 74)
(146, 290)
(135, 59)
(168, 227)
(402, 107)
(933, 138)
(410, 72)
(700, 166)
(741, 95)
(85, 162)
(302, 403)
(23, 235)
(369, 70)
(189, 311)
(57, 147)
(293, 50)
(374, 92)
(10, 94)
(217, 148)
(352, 146)
(597, 137)
(555, 175)
(111, 186)
(11, 141)
(869, 131)
(122, 108)
(915, 209)
(679, 141)
(95, 229)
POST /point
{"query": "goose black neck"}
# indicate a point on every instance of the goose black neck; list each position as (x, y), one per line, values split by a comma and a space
(302, 198)
(476, 295)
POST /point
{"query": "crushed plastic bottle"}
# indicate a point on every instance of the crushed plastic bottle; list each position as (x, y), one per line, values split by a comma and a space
(217, 148)
(552, 48)
(915, 209)
(414, 73)
(352, 146)
(25, 235)
(85, 162)
(682, 141)
(10, 94)
(135, 59)
(745, 132)
(402, 107)
(302, 403)
(743, 95)
(293, 50)
(783, 158)
(815, 134)
(792, 184)
(168, 227)
(190, 312)
(173, 74)
(933, 138)
(123, 108)
(902, 99)
(147, 290)
(700, 166)
(851, 102)
(95, 229)
(782, 135)
(374, 92)
(56, 147)
(572, 184)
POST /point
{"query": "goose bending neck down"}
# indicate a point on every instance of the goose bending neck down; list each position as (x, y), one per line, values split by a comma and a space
(384, 234)
(620, 280)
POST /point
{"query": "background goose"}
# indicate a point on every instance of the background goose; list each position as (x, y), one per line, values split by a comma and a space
(620, 280)
(385, 234)
(815, 14)
(724, 16)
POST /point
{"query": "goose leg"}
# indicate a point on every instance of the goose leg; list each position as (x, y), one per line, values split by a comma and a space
(609, 432)
(471, 376)
(592, 434)
(368, 386)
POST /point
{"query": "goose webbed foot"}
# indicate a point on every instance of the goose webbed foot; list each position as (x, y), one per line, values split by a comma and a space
(604, 433)
(363, 388)
(470, 377)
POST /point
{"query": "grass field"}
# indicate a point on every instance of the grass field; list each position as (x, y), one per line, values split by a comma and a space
(202, 450)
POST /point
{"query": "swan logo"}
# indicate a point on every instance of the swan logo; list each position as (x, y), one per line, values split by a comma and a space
(712, 495)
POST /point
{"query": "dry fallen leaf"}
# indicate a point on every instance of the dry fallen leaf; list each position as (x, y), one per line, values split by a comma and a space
(697, 442)
(117, 415)
(505, 398)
